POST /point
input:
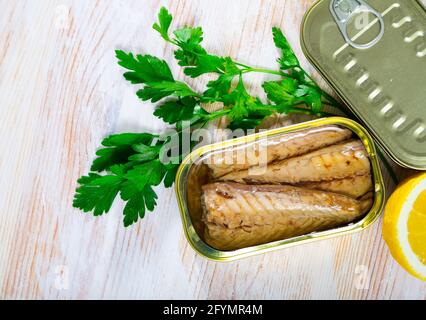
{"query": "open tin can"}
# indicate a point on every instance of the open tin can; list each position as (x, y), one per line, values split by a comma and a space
(193, 174)
(373, 54)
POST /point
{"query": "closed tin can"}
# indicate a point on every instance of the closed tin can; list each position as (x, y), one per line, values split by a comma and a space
(190, 179)
(373, 54)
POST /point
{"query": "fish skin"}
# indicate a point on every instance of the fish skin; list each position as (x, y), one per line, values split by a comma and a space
(238, 215)
(278, 148)
(335, 162)
(355, 186)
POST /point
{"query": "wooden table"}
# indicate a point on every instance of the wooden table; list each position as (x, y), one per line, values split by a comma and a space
(61, 91)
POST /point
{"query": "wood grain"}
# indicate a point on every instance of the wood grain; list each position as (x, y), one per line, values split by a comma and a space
(61, 91)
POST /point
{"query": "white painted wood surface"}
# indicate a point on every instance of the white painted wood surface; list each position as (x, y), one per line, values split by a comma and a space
(61, 91)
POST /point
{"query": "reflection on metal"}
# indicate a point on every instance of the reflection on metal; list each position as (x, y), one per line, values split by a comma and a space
(384, 85)
(344, 10)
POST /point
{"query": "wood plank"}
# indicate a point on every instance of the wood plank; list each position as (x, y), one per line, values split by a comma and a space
(61, 91)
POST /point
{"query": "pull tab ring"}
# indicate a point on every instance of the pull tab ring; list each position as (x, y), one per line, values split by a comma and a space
(344, 10)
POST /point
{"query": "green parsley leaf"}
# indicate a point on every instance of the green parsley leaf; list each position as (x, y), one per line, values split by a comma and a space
(174, 111)
(189, 37)
(145, 153)
(97, 193)
(206, 64)
(246, 112)
(281, 91)
(311, 96)
(245, 124)
(193, 56)
(189, 40)
(155, 74)
(165, 20)
(133, 179)
(144, 69)
(170, 177)
(137, 204)
(288, 59)
(118, 149)
(127, 139)
(134, 209)
(199, 116)
(150, 198)
(149, 173)
(155, 91)
(238, 99)
(218, 88)
(288, 92)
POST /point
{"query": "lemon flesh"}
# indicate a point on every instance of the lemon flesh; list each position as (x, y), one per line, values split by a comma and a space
(404, 225)
(416, 226)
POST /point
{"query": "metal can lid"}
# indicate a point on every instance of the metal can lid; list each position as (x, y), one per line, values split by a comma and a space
(373, 54)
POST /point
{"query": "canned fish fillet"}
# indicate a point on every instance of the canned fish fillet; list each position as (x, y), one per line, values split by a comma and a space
(279, 188)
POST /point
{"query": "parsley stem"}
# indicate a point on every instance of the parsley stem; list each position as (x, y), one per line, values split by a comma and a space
(332, 101)
(307, 75)
(260, 70)
(242, 65)
(311, 83)
(218, 114)
(172, 41)
(295, 108)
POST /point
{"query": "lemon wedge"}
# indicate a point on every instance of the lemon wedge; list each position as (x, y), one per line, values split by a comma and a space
(404, 225)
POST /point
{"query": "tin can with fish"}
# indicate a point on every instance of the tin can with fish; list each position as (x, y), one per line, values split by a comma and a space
(373, 54)
(279, 188)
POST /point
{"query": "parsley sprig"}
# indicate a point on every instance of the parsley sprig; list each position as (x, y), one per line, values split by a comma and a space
(131, 165)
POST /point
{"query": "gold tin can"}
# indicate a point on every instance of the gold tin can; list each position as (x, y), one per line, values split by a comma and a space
(373, 54)
(190, 221)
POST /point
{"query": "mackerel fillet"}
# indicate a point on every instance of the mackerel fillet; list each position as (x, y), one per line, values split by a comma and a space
(335, 162)
(274, 149)
(239, 215)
